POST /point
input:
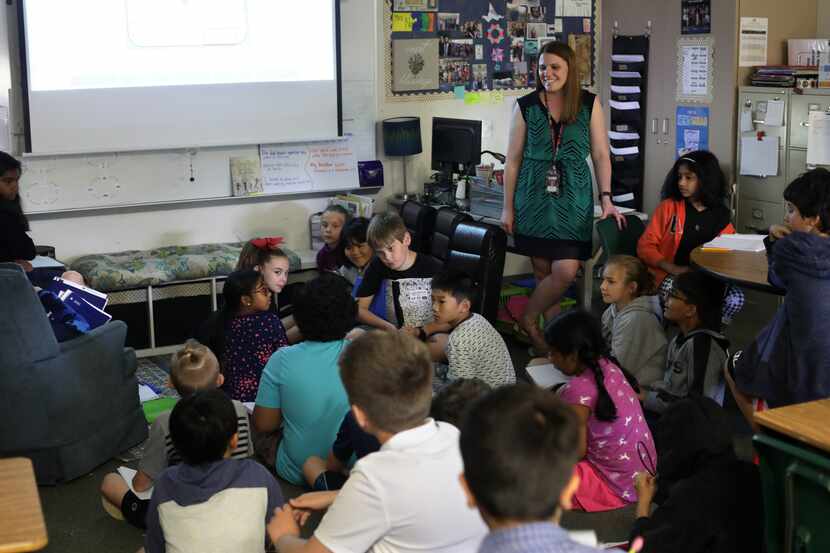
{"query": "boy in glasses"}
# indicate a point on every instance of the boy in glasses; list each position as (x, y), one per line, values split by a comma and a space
(696, 355)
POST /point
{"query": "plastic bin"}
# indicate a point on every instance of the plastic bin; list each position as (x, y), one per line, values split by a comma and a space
(796, 487)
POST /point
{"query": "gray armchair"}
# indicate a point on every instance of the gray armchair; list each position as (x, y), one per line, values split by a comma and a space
(68, 406)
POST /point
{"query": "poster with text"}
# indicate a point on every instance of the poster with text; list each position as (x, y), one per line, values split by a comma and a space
(696, 17)
(692, 129)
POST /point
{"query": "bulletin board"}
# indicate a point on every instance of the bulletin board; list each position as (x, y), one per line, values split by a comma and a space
(448, 47)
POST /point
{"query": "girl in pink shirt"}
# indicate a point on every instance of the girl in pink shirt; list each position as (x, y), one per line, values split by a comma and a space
(617, 442)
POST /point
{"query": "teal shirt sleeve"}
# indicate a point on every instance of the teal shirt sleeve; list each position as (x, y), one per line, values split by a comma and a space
(270, 382)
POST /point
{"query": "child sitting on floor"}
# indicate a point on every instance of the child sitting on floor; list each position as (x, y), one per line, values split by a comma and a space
(300, 389)
(248, 332)
(408, 276)
(474, 349)
(693, 212)
(210, 502)
(631, 325)
(331, 256)
(406, 496)
(193, 368)
(519, 445)
(604, 397)
(695, 357)
(452, 403)
(358, 255)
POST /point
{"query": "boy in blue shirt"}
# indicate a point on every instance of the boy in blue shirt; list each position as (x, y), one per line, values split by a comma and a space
(301, 401)
(520, 445)
(210, 502)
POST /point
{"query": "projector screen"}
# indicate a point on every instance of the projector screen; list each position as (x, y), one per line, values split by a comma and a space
(121, 75)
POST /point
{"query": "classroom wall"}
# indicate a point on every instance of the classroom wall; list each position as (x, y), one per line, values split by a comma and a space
(823, 18)
(786, 20)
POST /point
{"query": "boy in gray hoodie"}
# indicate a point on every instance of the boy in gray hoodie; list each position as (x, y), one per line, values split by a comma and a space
(632, 323)
(696, 356)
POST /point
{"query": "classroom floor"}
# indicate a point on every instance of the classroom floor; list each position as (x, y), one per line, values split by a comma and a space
(76, 522)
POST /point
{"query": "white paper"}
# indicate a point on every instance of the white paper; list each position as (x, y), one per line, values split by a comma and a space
(546, 376)
(624, 105)
(614, 135)
(625, 89)
(746, 121)
(574, 8)
(249, 405)
(818, 138)
(146, 393)
(588, 538)
(625, 151)
(738, 242)
(626, 74)
(42, 262)
(694, 70)
(775, 113)
(753, 41)
(759, 157)
(306, 167)
(127, 474)
(629, 58)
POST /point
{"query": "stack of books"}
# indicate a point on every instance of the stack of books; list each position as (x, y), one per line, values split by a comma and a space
(784, 76)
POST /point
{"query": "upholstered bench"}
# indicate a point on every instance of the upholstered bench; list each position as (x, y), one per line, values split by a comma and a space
(170, 272)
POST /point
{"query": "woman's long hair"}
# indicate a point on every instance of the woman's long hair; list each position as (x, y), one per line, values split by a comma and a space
(8, 163)
(571, 92)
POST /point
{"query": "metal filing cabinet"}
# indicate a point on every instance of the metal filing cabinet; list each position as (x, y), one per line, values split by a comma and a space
(761, 199)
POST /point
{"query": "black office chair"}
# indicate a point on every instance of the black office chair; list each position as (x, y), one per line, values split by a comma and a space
(478, 250)
(446, 220)
(420, 222)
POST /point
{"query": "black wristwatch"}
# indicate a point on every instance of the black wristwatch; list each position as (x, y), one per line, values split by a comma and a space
(605, 193)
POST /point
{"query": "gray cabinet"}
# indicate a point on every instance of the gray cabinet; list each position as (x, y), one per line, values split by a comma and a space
(761, 199)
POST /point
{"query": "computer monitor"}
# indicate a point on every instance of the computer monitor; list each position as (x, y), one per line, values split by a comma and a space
(456, 146)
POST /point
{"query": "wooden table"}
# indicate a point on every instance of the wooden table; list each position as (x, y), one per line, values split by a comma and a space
(747, 269)
(21, 519)
(805, 422)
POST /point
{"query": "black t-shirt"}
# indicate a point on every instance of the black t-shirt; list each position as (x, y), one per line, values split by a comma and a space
(700, 227)
(351, 439)
(14, 242)
(410, 291)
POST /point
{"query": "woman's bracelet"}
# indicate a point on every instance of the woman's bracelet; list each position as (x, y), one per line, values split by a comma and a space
(604, 193)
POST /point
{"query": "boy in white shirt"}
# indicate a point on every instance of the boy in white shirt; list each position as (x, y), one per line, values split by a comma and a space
(405, 497)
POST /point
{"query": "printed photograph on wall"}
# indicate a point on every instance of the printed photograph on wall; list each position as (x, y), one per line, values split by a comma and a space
(415, 5)
(502, 80)
(520, 74)
(414, 64)
(536, 13)
(453, 72)
(516, 29)
(472, 29)
(449, 22)
(517, 47)
(537, 30)
(695, 17)
(479, 76)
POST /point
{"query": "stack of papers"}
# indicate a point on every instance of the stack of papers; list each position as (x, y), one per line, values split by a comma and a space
(546, 376)
(737, 242)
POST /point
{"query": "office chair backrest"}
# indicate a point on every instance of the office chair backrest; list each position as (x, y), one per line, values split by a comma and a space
(478, 250)
(446, 220)
(420, 222)
(619, 242)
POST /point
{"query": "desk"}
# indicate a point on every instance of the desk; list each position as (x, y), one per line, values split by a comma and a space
(805, 422)
(21, 519)
(747, 269)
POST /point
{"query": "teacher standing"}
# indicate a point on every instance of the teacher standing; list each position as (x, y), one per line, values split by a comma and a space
(548, 192)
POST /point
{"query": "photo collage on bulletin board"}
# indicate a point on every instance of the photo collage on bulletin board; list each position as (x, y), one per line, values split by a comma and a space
(440, 46)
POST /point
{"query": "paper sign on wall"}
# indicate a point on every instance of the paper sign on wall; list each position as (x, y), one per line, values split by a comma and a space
(692, 129)
(818, 139)
(305, 167)
(753, 41)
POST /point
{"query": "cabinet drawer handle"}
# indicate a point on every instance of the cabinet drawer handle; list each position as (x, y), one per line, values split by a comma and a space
(805, 123)
(654, 126)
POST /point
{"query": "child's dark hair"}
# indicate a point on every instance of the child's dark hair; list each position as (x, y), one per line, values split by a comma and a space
(519, 445)
(389, 376)
(337, 208)
(201, 426)
(810, 193)
(635, 271)
(580, 332)
(354, 233)
(705, 293)
(453, 402)
(456, 284)
(9, 163)
(324, 308)
(238, 284)
(712, 188)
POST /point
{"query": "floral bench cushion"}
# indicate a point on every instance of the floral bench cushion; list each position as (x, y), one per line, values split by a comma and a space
(109, 272)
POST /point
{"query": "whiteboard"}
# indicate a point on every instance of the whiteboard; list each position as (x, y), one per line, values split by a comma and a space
(77, 182)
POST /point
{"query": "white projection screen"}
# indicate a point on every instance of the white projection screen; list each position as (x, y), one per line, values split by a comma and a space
(124, 75)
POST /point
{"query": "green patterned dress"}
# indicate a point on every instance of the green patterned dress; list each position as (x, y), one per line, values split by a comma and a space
(555, 227)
